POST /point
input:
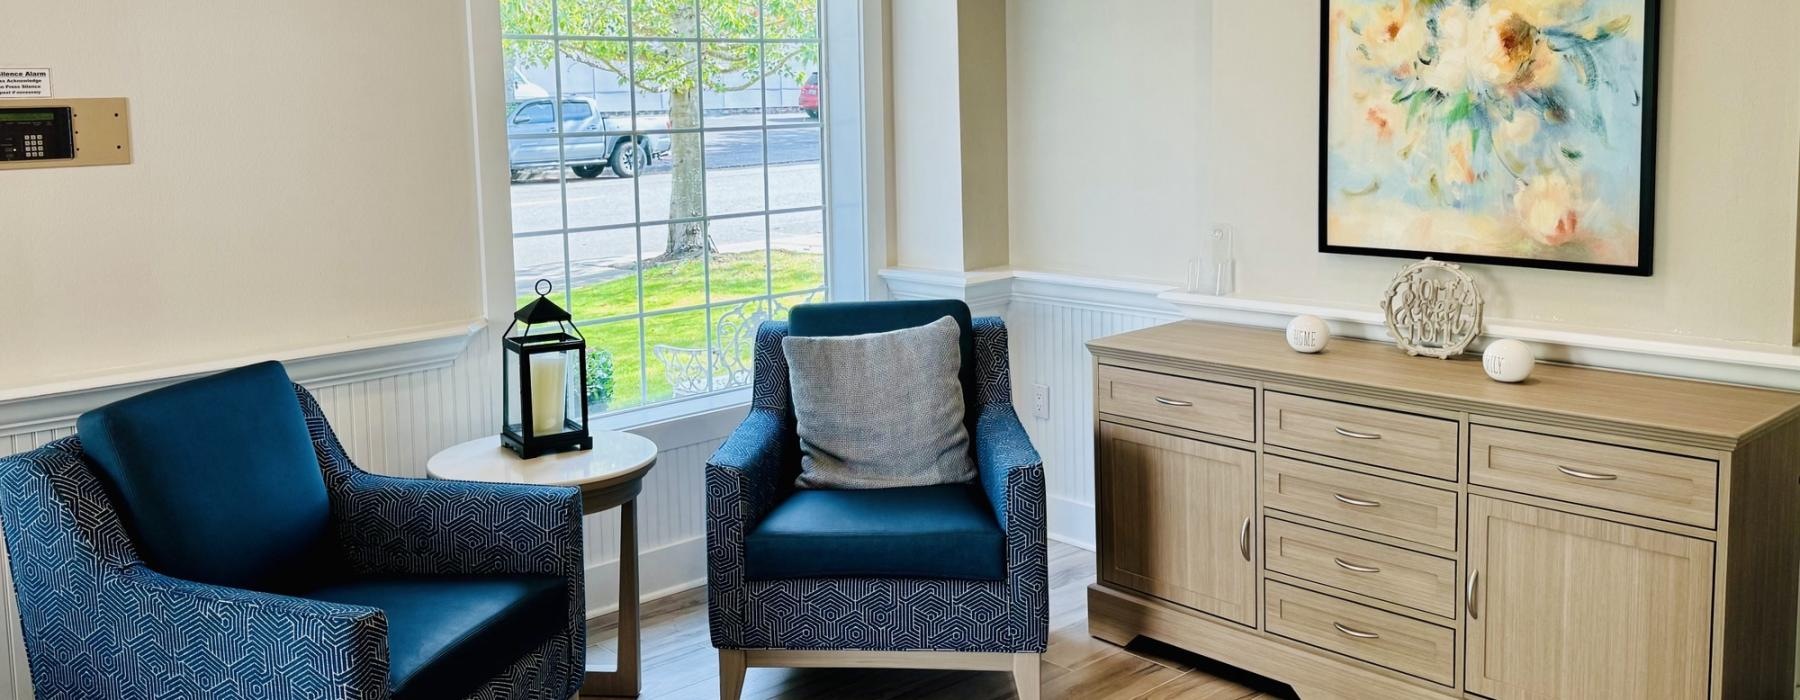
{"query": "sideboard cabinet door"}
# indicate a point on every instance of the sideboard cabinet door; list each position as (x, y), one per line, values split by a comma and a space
(1177, 519)
(1564, 606)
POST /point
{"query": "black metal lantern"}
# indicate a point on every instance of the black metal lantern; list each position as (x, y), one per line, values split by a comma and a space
(544, 377)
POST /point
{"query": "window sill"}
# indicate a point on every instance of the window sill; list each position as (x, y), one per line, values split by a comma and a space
(678, 424)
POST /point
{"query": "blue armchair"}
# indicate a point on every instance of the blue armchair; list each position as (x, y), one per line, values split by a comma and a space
(212, 540)
(947, 576)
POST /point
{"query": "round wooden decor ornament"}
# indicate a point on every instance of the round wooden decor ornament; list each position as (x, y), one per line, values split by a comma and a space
(1432, 309)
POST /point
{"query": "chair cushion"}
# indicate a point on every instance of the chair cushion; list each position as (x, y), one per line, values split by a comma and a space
(449, 634)
(946, 531)
(878, 411)
(216, 479)
(863, 317)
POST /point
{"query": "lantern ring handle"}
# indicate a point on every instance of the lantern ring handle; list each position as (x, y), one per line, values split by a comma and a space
(543, 287)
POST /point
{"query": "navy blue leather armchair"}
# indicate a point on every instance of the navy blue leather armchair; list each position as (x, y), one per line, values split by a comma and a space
(954, 576)
(212, 540)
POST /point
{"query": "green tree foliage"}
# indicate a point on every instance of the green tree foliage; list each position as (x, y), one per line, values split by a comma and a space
(679, 69)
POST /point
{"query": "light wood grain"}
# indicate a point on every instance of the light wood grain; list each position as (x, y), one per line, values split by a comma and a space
(1392, 439)
(1573, 607)
(1175, 512)
(1207, 407)
(1651, 484)
(1419, 581)
(1395, 641)
(1687, 411)
(1407, 511)
(1670, 571)
(1117, 615)
(1760, 569)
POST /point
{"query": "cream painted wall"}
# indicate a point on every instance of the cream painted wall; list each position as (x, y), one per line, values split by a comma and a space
(948, 59)
(981, 40)
(1106, 111)
(1727, 171)
(927, 179)
(304, 175)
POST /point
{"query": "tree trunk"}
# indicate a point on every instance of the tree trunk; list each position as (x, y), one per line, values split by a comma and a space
(687, 193)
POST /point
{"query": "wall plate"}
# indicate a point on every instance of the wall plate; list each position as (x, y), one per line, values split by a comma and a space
(102, 127)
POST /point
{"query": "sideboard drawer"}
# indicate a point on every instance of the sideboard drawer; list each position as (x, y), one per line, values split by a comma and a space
(1207, 407)
(1404, 577)
(1651, 484)
(1395, 508)
(1403, 441)
(1379, 637)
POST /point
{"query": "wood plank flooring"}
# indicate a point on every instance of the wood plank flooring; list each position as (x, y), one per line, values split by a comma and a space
(681, 664)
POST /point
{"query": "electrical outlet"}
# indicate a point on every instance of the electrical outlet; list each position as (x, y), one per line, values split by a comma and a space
(1040, 401)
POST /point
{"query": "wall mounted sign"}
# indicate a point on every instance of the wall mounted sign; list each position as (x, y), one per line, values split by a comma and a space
(24, 83)
(1512, 132)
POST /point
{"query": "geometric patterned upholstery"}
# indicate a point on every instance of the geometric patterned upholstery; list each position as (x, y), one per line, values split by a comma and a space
(99, 623)
(755, 469)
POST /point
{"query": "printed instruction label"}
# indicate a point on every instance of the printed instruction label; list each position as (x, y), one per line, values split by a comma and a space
(24, 82)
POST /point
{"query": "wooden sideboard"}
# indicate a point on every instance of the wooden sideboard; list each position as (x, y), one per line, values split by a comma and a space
(1364, 524)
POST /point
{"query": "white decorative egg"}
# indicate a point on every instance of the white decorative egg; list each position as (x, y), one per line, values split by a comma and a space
(1308, 334)
(1508, 360)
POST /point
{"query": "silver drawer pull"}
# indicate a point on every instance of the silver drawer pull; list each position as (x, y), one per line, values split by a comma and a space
(1591, 476)
(1357, 435)
(1355, 568)
(1244, 540)
(1174, 402)
(1359, 634)
(1360, 503)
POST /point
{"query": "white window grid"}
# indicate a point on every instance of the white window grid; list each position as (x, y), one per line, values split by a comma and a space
(769, 299)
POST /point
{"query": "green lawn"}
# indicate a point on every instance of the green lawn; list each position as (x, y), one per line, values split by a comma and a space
(734, 277)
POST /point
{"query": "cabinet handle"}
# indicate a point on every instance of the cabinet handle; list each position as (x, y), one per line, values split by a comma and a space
(1357, 435)
(1360, 503)
(1355, 568)
(1174, 402)
(1244, 539)
(1359, 634)
(1591, 476)
(1469, 596)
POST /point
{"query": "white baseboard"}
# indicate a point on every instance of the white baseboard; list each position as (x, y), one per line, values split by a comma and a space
(1072, 522)
(662, 571)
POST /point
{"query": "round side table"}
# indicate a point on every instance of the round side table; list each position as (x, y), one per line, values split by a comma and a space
(610, 476)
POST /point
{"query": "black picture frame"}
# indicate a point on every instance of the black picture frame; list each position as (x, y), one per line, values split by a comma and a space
(1647, 199)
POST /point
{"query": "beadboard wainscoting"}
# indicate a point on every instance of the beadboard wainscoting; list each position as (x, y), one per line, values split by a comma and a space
(395, 404)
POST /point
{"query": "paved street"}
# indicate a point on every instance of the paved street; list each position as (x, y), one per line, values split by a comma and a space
(734, 184)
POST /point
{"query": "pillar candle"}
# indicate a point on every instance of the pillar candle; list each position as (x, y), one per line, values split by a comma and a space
(547, 388)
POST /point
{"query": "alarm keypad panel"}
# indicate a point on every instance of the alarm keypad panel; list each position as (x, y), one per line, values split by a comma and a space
(36, 133)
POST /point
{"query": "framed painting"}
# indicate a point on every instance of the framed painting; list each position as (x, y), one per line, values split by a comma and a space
(1507, 132)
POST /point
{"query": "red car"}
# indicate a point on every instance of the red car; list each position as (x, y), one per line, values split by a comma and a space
(809, 95)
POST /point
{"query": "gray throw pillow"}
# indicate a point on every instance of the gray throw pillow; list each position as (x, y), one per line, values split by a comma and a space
(882, 410)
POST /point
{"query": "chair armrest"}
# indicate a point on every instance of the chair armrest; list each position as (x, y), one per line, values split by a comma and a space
(1006, 461)
(422, 526)
(1012, 475)
(748, 474)
(266, 645)
(745, 478)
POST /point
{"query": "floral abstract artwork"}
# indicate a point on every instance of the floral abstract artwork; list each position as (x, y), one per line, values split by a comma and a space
(1491, 131)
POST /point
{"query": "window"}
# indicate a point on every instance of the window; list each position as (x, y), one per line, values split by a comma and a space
(679, 199)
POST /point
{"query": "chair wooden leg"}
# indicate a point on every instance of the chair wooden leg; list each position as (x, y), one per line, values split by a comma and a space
(731, 674)
(1025, 675)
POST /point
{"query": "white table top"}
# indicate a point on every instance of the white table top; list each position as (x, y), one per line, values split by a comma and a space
(617, 457)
